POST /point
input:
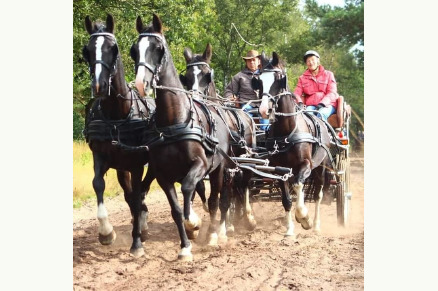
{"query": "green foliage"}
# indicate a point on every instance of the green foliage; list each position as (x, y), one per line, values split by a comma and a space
(228, 25)
(78, 125)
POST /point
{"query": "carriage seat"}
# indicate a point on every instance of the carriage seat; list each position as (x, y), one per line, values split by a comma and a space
(336, 120)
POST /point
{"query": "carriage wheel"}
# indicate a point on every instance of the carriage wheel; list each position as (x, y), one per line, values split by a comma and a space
(343, 195)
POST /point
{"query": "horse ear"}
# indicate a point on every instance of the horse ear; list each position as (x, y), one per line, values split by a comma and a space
(109, 23)
(139, 24)
(88, 25)
(188, 55)
(183, 79)
(158, 25)
(275, 59)
(207, 53)
(85, 53)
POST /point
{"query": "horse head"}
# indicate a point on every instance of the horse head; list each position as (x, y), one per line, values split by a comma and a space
(271, 83)
(101, 54)
(149, 54)
(199, 76)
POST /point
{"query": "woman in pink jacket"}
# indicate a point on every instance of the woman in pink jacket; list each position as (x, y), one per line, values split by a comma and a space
(316, 87)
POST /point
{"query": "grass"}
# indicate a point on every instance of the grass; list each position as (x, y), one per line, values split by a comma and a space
(83, 174)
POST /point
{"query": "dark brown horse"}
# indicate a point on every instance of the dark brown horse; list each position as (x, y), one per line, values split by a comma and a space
(199, 79)
(193, 134)
(116, 116)
(297, 140)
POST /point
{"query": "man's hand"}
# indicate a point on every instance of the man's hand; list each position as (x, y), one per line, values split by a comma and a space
(263, 109)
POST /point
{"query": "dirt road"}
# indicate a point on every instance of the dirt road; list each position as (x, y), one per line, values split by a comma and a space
(259, 260)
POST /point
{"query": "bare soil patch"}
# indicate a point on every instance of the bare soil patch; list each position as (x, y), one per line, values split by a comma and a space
(258, 260)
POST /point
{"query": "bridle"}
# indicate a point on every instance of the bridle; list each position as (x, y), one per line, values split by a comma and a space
(111, 68)
(273, 100)
(155, 70)
(210, 71)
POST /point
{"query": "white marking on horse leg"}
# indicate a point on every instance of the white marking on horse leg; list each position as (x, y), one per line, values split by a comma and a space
(222, 233)
(248, 212)
(317, 218)
(213, 239)
(105, 228)
(228, 222)
(193, 220)
(98, 68)
(186, 253)
(301, 209)
(144, 220)
(289, 224)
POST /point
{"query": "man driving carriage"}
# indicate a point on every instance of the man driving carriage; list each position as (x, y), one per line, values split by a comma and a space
(317, 87)
(240, 90)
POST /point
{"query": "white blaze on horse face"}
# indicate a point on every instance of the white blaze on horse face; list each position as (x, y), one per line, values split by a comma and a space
(141, 70)
(98, 68)
(267, 79)
(196, 72)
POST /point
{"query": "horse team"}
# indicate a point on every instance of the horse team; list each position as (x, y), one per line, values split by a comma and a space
(184, 137)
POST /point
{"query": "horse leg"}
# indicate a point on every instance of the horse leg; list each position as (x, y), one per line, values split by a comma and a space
(147, 181)
(138, 212)
(301, 212)
(107, 235)
(192, 222)
(186, 247)
(286, 200)
(145, 187)
(124, 179)
(200, 189)
(317, 196)
(251, 223)
(216, 182)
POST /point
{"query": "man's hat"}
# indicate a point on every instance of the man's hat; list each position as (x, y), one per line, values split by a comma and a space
(251, 54)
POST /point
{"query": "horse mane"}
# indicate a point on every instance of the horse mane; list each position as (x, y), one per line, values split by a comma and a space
(99, 27)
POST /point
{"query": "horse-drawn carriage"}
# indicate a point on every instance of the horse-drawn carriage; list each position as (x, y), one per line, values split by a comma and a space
(185, 136)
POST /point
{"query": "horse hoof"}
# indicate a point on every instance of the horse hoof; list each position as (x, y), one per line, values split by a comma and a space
(137, 253)
(192, 234)
(290, 237)
(223, 239)
(107, 239)
(144, 235)
(185, 258)
(230, 230)
(305, 222)
(212, 242)
(251, 224)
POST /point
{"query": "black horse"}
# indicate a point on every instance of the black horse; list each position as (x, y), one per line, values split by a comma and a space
(199, 79)
(297, 139)
(193, 134)
(116, 117)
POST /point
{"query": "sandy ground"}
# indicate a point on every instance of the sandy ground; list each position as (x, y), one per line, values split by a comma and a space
(251, 260)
